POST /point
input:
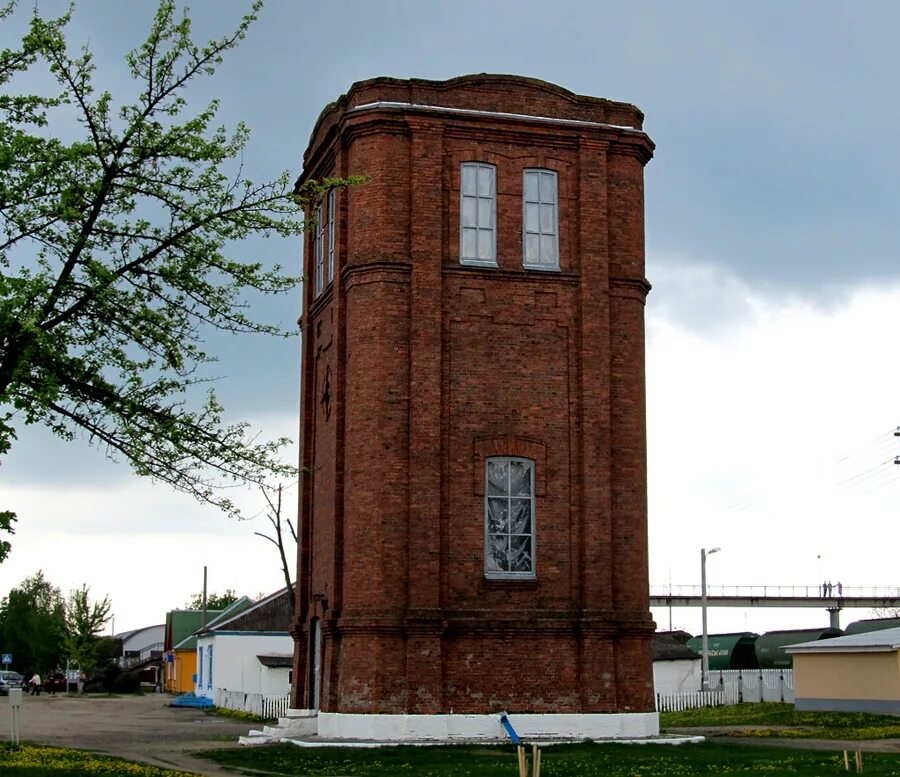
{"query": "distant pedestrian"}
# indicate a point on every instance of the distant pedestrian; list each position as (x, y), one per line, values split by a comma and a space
(36, 685)
(840, 588)
(81, 679)
(827, 588)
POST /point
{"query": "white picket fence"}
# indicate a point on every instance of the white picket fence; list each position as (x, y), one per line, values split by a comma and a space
(263, 705)
(689, 700)
(733, 686)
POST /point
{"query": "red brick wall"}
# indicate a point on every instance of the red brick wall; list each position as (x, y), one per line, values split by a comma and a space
(435, 366)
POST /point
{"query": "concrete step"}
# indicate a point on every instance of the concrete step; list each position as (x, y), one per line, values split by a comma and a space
(296, 727)
(289, 720)
(300, 713)
(253, 740)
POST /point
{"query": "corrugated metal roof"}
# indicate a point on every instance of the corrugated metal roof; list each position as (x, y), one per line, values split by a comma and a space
(870, 641)
(270, 614)
(181, 624)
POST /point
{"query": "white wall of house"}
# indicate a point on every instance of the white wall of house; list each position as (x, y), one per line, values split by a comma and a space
(235, 666)
(144, 638)
(676, 676)
(275, 680)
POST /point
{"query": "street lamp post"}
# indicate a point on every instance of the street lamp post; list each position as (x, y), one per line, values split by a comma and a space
(704, 667)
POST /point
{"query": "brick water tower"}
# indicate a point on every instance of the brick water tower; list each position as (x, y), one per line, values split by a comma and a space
(473, 512)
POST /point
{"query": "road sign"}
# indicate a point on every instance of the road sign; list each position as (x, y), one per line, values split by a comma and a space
(6, 658)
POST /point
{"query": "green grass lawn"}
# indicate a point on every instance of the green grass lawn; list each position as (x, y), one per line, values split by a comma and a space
(41, 761)
(581, 760)
(755, 720)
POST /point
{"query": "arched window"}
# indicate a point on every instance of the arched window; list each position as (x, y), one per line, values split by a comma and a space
(509, 518)
(540, 220)
(478, 214)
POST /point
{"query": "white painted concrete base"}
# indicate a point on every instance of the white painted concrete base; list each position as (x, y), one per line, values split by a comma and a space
(294, 724)
(410, 728)
(666, 739)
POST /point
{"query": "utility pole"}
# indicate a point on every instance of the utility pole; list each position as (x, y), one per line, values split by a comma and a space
(704, 667)
(203, 616)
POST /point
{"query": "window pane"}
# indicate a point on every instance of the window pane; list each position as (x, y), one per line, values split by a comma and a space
(548, 248)
(520, 516)
(519, 479)
(497, 473)
(485, 213)
(532, 223)
(485, 181)
(468, 212)
(468, 179)
(485, 244)
(498, 553)
(548, 187)
(548, 219)
(469, 241)
(498, 515)
(532, 248)
(531, 187)
(520, 554)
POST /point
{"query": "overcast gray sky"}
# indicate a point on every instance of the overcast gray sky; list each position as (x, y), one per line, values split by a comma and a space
(771, 244)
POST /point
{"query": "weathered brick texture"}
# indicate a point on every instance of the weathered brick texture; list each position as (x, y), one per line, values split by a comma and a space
(417, 368)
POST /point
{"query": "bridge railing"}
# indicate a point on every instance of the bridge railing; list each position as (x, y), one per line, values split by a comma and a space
(793, 591)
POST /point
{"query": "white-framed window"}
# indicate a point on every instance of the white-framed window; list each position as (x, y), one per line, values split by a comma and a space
(320, 251)
(209, 666)
(509, 517)
(540, 220)
(331, 216)
(478, 213)
(199, 667)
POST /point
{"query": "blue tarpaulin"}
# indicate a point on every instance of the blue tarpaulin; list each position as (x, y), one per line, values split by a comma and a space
(190, 700)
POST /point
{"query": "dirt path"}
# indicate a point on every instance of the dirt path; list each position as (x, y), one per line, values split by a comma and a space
(725, 734)
(140, 728)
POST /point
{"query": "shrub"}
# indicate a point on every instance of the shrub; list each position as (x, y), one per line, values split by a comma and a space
(127, 682)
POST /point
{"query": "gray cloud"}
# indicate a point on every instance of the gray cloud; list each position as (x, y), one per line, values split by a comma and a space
(770, 121)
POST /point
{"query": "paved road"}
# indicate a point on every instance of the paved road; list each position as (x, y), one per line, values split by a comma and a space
(140, 728)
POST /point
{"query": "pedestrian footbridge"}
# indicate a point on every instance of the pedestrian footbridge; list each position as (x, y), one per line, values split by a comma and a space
(833, 600)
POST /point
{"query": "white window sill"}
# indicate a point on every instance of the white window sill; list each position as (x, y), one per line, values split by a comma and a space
(478, 262)
(541, 267)
(510, 576)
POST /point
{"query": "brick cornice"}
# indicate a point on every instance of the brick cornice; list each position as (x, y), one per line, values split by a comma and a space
(375, 271)
(497, 131)
(504, 274)
(628, 146)
(634, 288)
(379, 123)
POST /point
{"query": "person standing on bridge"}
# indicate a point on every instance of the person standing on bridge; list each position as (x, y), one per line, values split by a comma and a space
(840, 588)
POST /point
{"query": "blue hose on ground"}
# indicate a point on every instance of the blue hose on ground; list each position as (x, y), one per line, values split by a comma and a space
(504, 721)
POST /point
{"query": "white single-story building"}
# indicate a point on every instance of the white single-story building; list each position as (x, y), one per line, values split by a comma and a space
(676, 667)
(853, 673)
(247, 653)
(141, 644)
